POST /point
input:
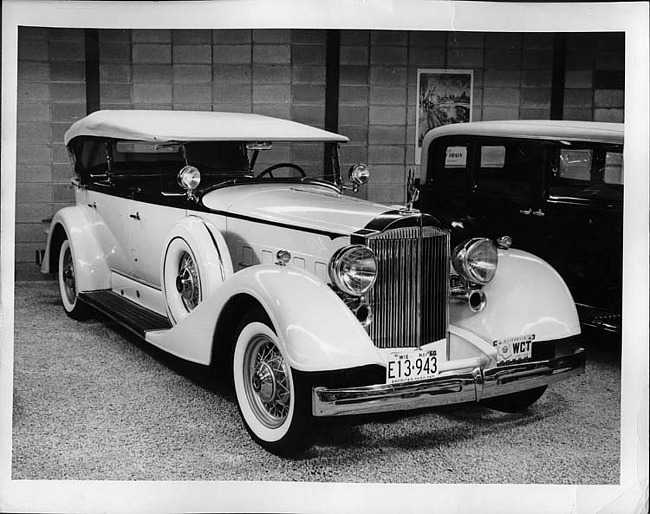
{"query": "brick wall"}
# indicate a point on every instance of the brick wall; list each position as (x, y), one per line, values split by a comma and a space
(282, 73)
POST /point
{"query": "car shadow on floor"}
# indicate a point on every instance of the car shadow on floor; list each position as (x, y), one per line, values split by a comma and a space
(429, 428)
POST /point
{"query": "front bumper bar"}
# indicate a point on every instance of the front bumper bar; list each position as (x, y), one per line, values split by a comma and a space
(455, 386)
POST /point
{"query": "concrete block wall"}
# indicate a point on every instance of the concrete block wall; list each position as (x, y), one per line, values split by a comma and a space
(282, 73)
(588, 56)
(512, 79)
(278, 73)
(51, 94)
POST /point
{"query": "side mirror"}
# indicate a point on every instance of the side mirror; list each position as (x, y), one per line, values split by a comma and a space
(358, 175)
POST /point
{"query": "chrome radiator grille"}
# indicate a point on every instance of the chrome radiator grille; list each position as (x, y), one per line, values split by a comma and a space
(409, 298)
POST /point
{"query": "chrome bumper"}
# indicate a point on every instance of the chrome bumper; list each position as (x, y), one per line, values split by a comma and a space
(457, 386)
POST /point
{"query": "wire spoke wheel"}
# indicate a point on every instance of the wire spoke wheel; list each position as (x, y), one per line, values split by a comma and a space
(275, 406)
(266, 382)
(187, 282)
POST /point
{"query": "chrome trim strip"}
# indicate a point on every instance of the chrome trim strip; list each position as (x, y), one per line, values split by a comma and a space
(456, 386)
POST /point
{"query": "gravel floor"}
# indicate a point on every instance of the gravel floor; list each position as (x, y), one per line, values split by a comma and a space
(92, 402)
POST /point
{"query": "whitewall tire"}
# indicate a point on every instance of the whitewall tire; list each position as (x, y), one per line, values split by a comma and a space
(274, 408)
(68, 284)
(182, 280)
(194, 264)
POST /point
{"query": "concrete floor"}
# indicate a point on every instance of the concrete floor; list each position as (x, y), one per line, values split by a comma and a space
(92, 402)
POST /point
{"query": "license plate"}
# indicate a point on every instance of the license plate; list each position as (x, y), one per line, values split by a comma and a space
(514, 349)
(413, 365)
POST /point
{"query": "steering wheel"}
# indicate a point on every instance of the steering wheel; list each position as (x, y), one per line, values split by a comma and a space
(269, 171)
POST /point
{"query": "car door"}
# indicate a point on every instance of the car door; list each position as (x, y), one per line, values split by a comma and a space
(584, 207)
(506, 189)
(149, 223)
(109, 217)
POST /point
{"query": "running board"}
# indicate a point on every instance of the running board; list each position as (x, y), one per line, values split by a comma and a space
(136, 318)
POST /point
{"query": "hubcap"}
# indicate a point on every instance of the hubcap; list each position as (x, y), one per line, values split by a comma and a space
(263, 382)
(266, 381)
(187, 282)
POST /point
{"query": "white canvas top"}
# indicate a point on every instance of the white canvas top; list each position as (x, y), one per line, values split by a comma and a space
(164, 126)
(539, 129)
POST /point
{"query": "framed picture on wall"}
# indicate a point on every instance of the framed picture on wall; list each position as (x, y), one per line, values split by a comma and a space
(444, 97)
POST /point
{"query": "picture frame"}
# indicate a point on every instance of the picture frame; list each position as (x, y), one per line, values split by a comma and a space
(444, 96)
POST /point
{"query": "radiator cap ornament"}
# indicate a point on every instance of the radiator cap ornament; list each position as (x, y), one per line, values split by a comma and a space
(413, 193)
(504, 242)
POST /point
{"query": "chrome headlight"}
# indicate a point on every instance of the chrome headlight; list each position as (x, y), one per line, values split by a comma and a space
(359, 174)
(189, 178)
(475, 260)
(353, 269)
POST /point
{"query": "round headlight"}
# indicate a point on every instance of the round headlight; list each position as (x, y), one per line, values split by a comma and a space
(353, 269)
(359, 174)
(475, 260)
(189, 178)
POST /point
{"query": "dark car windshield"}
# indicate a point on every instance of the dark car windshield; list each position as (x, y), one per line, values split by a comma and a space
(219, 162)
(209, 156)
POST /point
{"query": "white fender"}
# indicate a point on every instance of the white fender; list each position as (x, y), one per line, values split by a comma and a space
(526, 297)
(91, 269)
(316, 329)
(210, 253)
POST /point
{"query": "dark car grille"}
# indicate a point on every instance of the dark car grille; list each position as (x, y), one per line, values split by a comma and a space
(410, 296)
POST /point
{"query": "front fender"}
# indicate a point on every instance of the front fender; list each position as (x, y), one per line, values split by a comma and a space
(91, 269)
(317, 331)
(526, 297)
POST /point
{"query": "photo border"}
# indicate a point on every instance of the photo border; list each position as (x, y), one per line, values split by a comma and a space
(631, 495)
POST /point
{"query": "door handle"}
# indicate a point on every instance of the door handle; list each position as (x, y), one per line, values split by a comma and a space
(526, 212)
(539, 212)
(135, 216)
(93, 205)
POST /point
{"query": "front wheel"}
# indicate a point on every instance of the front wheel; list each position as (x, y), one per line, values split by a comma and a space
(68, 284)
(515, 402)
(274, 408)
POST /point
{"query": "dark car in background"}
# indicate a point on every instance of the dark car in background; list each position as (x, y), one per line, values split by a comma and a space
(554, 187)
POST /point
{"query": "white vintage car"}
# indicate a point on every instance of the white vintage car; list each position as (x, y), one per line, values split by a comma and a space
(318, 304)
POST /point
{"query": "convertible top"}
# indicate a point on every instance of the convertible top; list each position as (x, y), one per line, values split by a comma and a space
(167, 126)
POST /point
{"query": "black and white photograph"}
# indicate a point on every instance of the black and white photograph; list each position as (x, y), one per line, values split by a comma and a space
(306, 257)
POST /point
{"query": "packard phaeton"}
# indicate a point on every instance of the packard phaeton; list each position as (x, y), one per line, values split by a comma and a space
(200, 233)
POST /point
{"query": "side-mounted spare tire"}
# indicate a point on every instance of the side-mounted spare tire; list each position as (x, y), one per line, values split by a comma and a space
(195, 261)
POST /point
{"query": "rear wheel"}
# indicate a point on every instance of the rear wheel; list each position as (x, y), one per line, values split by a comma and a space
(275, 409)
(515, 402)
(68, 284)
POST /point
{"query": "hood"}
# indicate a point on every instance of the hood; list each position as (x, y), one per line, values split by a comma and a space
(301, 205)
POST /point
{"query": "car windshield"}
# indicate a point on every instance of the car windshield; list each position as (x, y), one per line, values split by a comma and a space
(290, 160)
(219, 162)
